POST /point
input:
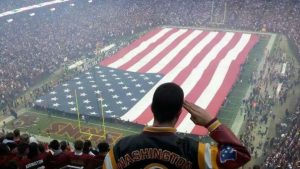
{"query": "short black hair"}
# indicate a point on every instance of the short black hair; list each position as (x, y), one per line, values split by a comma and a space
(78, 145)
(167, 102)
(63, 145)
(103, 147)
(54, 144)
(41, 147)
(17, 132)
(10, 136)
(86, 146)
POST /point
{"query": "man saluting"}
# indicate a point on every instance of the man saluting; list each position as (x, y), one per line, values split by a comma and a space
(158, 146)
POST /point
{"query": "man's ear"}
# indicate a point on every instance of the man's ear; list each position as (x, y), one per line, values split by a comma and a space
(179, 113)
(177, 116)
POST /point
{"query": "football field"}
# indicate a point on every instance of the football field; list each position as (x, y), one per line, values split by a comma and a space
(54, 124)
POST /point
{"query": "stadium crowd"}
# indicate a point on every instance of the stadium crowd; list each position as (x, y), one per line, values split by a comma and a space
(287, 138)
(39, 43)
(24, 151)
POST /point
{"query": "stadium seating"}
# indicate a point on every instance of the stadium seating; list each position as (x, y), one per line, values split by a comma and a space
(32, 154)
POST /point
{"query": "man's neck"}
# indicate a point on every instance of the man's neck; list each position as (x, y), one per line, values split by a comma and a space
(157, 124)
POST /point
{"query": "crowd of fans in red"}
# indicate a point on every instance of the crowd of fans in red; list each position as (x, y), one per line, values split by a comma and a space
(25, 152)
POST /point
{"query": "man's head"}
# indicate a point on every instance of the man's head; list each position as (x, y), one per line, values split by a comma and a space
(167, 102)
(10, 136)
(103, 147)
(25, 138)
(64, 145)
(54, 144)
(17, 133)
(78, 145)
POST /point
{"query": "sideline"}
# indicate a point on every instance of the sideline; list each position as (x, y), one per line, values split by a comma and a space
(239, 118)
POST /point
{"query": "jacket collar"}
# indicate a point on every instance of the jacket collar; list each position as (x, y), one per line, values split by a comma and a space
(160, 129)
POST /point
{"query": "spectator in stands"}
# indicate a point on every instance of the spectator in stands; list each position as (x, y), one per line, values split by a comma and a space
(64, 146)
(159, 147)
(25, 138)
(56, 158)
(9, 141)
(42, 152)
(22, 151)
(103, 149)
(33, 159)
(78, 158)
(17, 136)
(87, 148)
(4, 155)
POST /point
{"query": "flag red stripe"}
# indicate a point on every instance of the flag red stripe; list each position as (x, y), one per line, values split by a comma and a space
(150, 48)
(127, 49)
(146, 116)
(208, 74)
(230, 79)
(163, 53)
(183, 52)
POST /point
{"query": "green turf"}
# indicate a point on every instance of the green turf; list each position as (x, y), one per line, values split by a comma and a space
(39, 127)
(125, 129)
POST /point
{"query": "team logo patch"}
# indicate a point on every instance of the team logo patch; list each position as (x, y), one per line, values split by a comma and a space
(227, 153)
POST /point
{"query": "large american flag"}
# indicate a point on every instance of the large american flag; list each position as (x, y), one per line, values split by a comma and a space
(205, 64)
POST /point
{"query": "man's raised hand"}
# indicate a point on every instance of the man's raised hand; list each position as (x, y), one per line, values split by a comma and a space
(198, 115)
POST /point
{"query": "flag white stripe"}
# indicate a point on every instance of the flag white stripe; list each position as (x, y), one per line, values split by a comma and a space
(143, 103)
(172, 54)
(198, 71)
(127, 57)
(217, 80)
(147, 58)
